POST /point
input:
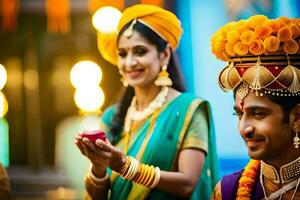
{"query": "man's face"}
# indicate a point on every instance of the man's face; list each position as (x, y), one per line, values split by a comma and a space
(262, 128)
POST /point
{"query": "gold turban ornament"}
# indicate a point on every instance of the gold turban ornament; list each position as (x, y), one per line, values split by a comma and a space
(262, 54)
(161, 21)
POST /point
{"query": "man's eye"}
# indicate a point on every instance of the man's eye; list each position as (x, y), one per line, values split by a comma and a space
(259, 114)
(238, 114)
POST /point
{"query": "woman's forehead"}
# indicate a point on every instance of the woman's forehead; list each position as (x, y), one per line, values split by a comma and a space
(135, 39)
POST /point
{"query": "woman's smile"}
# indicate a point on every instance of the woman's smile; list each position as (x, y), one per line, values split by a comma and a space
(133, 74)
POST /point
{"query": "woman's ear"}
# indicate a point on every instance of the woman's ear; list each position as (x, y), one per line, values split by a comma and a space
(165, 55)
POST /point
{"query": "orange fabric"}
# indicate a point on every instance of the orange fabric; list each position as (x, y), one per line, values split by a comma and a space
(162, 21)
(58, 15)
(107, 46)
(159, 3)
(94, 5)
(9, 14)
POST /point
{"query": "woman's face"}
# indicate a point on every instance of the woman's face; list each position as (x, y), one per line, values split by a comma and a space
(138, 60)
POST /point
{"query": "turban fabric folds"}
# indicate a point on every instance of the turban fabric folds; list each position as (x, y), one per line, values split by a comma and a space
(161, 21)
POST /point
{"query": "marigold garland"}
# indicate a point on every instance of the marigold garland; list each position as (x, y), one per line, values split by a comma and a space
(257, 36)
(247, 180)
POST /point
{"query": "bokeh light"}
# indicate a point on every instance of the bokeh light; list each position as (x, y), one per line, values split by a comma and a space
(3, 105)
(106, 19)
(89, 99)
(3, 76)
(85, 74)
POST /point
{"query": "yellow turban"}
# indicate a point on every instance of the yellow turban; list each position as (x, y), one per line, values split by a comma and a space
(161, 21)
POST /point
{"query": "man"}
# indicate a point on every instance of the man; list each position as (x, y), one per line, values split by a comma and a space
(4, 185)
(263, 72)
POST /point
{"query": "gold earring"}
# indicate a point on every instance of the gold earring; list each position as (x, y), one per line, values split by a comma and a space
(124, 82)
(163, 78)
(296, 140)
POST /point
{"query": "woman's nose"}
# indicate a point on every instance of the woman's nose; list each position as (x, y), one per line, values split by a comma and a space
(130, 62)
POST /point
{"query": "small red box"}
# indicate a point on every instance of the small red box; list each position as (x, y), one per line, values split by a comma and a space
(94, 135)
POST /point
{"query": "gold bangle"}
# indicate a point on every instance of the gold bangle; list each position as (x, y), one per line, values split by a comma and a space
(99, 185)
(148, 174)
(131, 168)
(139, 171)
(125, 167)
(151, 177)
(157, 178)
(142, 174)
(134, 169)
(96, 179)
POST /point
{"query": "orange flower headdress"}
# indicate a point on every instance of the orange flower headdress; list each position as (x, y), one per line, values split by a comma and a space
(263, 55)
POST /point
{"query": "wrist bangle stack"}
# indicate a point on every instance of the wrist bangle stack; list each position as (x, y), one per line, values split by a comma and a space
(142, 174)
(95, 181)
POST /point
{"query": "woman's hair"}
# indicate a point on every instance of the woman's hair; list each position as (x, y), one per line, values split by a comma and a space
(173, 70)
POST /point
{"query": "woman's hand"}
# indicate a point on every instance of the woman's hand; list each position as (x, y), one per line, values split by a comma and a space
(102, 154)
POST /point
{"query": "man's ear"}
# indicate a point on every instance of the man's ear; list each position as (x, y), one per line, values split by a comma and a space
(295, 117)
(165, 55)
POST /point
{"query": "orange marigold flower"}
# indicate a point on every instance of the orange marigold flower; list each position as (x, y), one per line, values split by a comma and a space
(283, 21)
(297, 22)
(256, 20)
(285, 34)
(233, 36)
(229, 49)
(223, 56)
(295, 30)
(274, 24)
(257, 47)
(242, 26)
(240, 48)
(247, 180)
(219, 46)
(228, 26)
(263, 31)
(271, 43)
(248, 37)
(291, 47)
(218, 36)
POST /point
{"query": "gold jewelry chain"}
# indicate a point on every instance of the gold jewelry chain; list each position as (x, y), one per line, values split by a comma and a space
(282, 190)
(133, 114)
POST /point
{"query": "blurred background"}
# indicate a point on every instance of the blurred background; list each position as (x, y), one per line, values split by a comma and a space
(54, 83)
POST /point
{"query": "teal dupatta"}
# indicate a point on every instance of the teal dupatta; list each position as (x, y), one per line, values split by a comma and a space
(163, 149)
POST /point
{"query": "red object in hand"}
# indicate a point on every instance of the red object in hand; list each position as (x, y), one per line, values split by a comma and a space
(94, 135)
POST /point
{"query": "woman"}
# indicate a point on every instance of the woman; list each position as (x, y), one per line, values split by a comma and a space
(160, 139)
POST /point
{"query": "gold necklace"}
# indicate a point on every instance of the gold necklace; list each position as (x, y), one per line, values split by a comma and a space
(279, 193)
(134, 115)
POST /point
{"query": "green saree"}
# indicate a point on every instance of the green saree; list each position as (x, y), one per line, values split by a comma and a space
(163, 147)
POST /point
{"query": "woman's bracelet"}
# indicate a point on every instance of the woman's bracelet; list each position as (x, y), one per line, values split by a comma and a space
(97, 182)
(142, 174)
